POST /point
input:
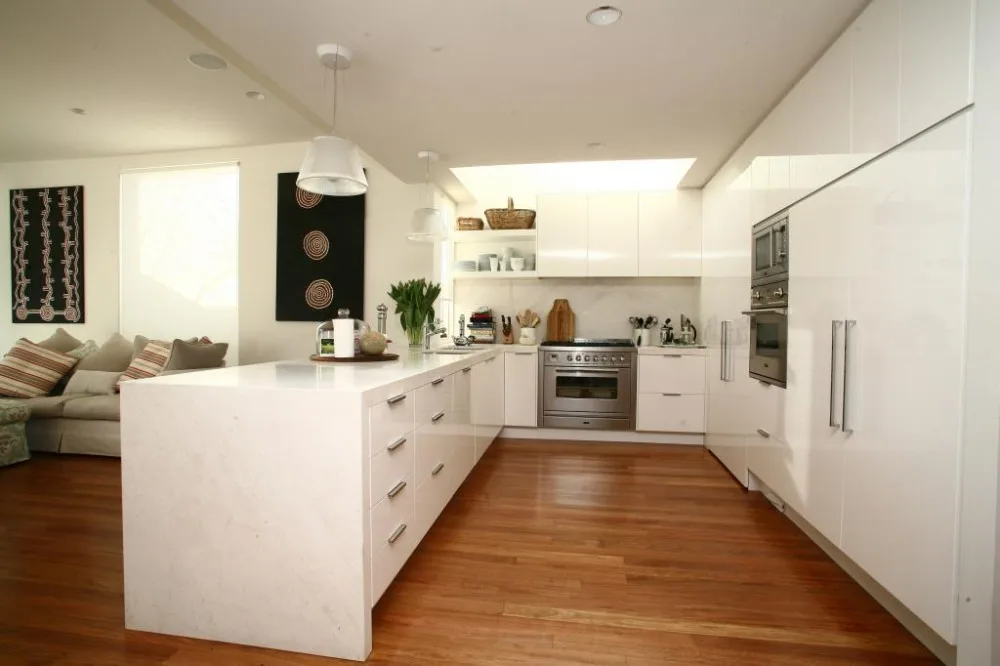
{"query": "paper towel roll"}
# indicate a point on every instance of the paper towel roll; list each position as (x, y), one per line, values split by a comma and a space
(343, 338)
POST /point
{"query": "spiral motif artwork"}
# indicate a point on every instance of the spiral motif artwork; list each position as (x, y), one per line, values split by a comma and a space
(307, 199)
(71, 314)
(21, 313)
(46, 312)
(316, 245)
(319, 294)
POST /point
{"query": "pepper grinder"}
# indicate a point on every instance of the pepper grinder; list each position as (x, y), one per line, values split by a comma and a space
(383, 314)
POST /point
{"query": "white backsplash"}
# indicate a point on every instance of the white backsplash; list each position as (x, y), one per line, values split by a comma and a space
(602, 305)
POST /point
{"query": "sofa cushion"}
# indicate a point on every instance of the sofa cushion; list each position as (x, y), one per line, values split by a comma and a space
(94, 382)
(29, 370)
(197, 355)
(48, 406)
(83, 351)
(114, 355)
(93, 408)
(60, 341)
(149, 363)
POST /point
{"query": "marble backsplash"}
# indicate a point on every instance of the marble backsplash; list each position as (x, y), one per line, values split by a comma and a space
(602, 306)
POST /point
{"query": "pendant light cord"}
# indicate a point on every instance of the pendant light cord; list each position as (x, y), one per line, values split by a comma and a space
(333, 127)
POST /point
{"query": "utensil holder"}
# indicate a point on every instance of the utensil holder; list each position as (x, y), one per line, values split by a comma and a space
(527, 337)
(637, 336)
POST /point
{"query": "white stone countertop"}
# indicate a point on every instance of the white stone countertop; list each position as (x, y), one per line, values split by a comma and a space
(693, 350)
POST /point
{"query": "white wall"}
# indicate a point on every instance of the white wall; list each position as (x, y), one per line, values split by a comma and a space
(602, 307)
(389, 256)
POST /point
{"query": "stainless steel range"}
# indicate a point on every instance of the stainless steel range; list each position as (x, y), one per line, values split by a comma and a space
(588, 384)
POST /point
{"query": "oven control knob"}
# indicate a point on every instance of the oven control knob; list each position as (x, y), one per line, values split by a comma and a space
(604, 359)
(578, 357)
(587, 358)
(778, 293)
(756, 295)
(569, 357)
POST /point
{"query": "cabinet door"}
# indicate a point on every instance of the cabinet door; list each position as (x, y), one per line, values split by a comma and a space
(521, 389)
(613, 235)
(487, 402)
(875, 99)
(904, 373)
(935, 65)
(461, 417)
(670, 233)
(561, 220)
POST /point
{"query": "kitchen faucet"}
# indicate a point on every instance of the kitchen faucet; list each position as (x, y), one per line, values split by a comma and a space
(430, 330)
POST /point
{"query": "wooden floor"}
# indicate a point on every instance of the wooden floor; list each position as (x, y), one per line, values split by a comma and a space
(549, 554)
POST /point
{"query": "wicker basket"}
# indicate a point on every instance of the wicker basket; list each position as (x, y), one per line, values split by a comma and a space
(470, 224)
(510, 217)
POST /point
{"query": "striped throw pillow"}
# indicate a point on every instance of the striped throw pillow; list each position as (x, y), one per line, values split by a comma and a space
(30, 371)
(149, 363)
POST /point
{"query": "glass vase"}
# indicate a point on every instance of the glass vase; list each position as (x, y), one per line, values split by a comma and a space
(415, 336)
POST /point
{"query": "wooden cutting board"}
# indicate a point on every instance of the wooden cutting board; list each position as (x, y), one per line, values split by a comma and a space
(561, 323)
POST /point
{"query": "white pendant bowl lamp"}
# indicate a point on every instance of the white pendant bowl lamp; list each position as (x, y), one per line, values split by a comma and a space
(427, 224)
(332, 165)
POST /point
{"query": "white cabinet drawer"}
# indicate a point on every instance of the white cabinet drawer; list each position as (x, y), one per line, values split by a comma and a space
(670, 413)
(391, 512)
(672, 373)
(433, 398)
(433, 495)
(391, 465)
(435, 444)
(387, 562)
(390, 420)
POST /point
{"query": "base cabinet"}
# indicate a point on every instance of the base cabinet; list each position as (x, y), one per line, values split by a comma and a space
(671, 391)
(520, 400)
(487, 380)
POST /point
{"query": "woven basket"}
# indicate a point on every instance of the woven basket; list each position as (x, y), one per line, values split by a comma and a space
(510, 217)
(470, 224)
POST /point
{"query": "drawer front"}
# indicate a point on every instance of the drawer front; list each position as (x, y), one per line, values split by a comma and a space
(672, 374)
(391, 512)
(391, 465)
(433, 398)
(387, 562)
(673, 413)
(390, 420)
(433, 495)
(435, 444)
(462, 462)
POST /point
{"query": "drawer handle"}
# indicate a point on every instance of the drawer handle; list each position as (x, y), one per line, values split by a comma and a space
(464, 370)
(524, 353)
(437, 381)
(673, 356)
(763, 433)
(398, 443)
(396, 489)
(437, 469)
(671, 395)
(396, 533)
(395, 399)
(437, 417)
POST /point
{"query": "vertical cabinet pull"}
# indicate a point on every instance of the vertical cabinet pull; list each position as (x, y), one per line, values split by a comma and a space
(724, 352)
(396, 489)
(848, 326)
(396, 533)
(834, 327)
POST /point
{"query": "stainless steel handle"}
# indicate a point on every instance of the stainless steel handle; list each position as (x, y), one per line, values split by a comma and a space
(671, 395)
(396, 533)
(398, 443)
(582, 372)
(672, 355)
(464, 370)
(765, 311)
(437, 469)
(395, 399)
(763, 433)
(722, 352)
(437, 417)
(436, 382)
(848, 325)
(834, 326)
(396, 489)
(524, 353)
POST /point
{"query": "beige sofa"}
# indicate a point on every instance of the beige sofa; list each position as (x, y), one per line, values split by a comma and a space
(75, 420)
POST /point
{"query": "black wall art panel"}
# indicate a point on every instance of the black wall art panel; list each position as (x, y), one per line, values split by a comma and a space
(321, 254)
(46, 232)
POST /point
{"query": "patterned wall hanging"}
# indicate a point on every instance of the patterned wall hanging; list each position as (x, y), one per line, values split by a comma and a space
(46, 226)
(321, 254)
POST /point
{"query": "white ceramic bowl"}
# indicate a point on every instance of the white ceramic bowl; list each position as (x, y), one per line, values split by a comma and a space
(516, 264)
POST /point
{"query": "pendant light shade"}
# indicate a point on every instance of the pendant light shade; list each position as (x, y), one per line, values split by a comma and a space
(332, 166)
(428, 224)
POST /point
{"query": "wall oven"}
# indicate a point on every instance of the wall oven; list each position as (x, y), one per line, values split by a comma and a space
(588, 384)
(770, 249)
(769, 333)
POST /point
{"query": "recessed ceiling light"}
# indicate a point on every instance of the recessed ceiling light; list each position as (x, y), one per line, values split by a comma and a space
(255, 95)
(207, 61)
(604, 15)
(78, 111)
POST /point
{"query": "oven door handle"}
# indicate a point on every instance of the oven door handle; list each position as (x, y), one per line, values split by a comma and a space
(585, 373)
(766, 311)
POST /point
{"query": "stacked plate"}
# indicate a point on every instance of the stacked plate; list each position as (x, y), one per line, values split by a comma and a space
(467, 266)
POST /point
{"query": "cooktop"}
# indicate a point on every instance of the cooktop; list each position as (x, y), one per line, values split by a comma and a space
(591, 342)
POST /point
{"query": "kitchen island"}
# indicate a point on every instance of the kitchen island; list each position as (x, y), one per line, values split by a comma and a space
(273, 504)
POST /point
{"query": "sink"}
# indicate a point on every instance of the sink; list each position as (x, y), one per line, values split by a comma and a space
(451, 350)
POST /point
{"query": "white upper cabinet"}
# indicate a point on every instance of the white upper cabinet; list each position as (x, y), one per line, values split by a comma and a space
(935, 65)
(613, 235)
(670, 233)
(875, 105)
(562, 235)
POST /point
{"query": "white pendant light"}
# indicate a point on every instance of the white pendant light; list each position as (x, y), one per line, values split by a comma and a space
(428, 224)
(332, 165)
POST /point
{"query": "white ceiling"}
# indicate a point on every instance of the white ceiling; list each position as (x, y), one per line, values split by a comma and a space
(125, 63)
(515, 81)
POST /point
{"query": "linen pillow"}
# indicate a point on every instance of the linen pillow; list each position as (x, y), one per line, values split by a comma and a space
(196, 355)
(141, 341)
(31, 371)
(83, 351)
(92, 382)
(60, 341)
(113, 355)
(149, 363)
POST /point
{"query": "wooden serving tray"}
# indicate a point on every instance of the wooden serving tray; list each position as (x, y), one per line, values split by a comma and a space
(354, 359)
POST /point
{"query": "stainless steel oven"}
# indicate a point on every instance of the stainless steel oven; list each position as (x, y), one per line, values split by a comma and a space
(588, 384)
(770, 249)
(769, 333)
